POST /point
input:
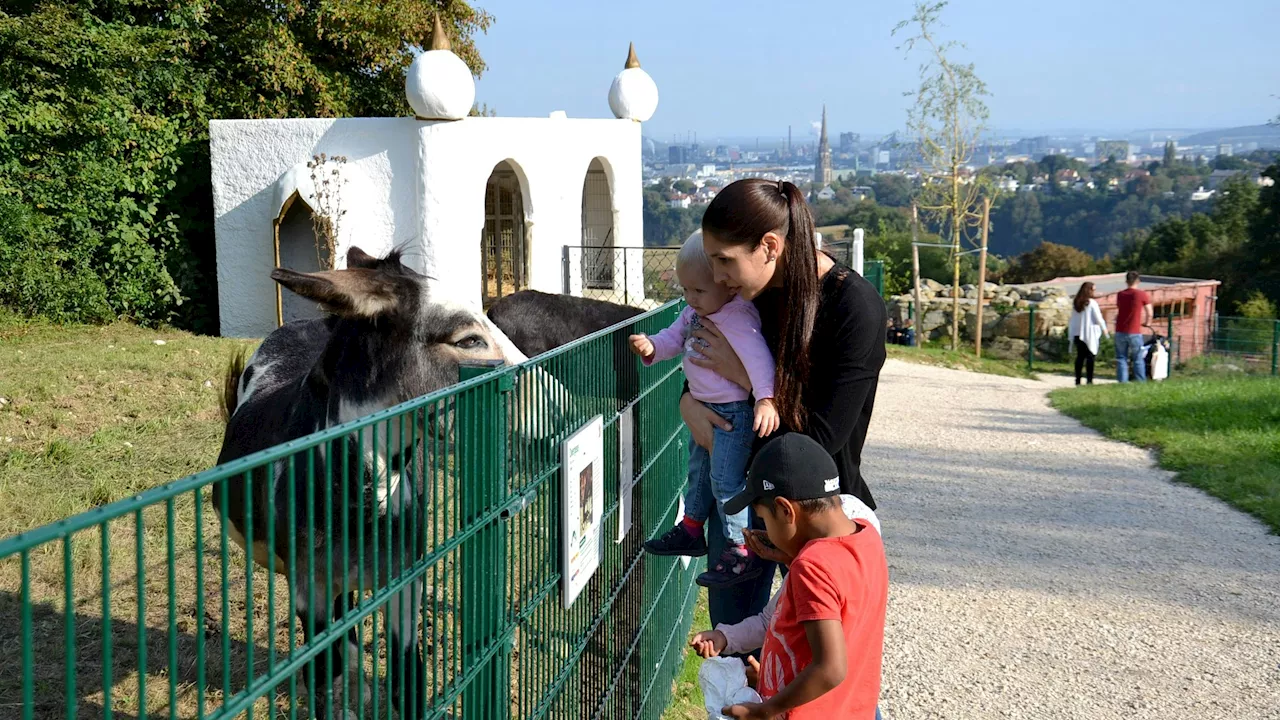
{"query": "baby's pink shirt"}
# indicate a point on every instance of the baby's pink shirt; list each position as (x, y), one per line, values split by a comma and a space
(739, 322)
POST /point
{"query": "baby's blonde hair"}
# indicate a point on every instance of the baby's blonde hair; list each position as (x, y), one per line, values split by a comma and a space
(692, 257)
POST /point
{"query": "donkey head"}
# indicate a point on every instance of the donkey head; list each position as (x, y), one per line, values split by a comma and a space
(390, 342)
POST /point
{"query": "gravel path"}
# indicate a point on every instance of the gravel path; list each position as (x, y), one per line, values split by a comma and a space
(1039, 570)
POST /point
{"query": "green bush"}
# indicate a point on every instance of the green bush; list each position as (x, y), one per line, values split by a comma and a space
(104, 115)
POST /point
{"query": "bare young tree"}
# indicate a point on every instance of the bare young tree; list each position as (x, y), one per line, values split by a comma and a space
(326, 176)
(948, 119)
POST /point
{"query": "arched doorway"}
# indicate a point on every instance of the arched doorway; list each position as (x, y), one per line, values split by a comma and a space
(598, 261)
(504, 254)
(296, 249)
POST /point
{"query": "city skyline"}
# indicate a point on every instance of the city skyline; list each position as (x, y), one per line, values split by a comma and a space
(725, 75)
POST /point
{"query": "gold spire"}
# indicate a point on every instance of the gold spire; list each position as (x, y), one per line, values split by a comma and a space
(439, 40)
(632, 60)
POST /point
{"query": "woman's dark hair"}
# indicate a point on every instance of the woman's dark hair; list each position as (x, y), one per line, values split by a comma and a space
(1083, 297)
(741, 214)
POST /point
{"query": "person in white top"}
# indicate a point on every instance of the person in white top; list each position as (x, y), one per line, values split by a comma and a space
(1086, 329)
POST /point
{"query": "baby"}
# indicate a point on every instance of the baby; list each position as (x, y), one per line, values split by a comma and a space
(720, 474)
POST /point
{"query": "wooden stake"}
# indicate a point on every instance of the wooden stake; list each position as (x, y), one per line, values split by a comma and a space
(982, 274)
(915, 274)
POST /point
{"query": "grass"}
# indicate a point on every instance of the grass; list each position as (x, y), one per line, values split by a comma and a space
(686, 697)
(1221, 435)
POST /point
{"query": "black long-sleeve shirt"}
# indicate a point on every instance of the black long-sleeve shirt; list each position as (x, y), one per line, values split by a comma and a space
(845, 357)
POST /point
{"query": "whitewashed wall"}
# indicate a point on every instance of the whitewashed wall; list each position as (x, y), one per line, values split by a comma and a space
(418, 185)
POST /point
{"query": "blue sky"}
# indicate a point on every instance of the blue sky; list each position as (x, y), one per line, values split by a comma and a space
(750, 68)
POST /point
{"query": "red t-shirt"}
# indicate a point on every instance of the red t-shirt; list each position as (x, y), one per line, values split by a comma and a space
(844, 579)
(1129, 304)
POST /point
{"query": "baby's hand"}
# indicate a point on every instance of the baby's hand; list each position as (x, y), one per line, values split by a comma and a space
(709, 643)
(642, 345)
(766, 418)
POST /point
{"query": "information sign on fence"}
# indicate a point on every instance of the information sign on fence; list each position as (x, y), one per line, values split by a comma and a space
(582, 478)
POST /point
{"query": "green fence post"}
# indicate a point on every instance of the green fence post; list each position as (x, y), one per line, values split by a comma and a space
(1170, 371)
(1031, 339)
(482, 558)
(1275, 348)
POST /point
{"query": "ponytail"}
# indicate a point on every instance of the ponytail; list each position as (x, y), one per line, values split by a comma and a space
(801, 288)
(741, 214)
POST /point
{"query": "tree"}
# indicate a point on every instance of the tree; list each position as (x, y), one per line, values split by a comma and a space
(1048, 261)
(1026, 220)
(892, 189)
(948, 118)
(1230, 162)
(1170, 154)
(104, 115)
(1257, 306)
(684, 186)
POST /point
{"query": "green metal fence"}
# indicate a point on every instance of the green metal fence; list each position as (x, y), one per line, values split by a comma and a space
(144, 608)
(873, 271)
(1250, 344)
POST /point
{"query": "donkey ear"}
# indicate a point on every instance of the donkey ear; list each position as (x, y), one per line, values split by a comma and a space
(357, 258)
(357, 293)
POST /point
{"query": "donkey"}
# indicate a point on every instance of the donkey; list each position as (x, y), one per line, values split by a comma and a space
(384, 343)
(538, 322)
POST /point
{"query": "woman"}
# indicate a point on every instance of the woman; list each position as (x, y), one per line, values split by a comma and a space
(1085, 329)
(824, 323)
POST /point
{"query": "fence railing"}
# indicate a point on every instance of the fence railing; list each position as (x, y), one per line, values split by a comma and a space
(142, 608)
(640, 276)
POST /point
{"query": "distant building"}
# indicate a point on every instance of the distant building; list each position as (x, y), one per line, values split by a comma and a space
(826, 193)
(1225, 150)
(707, 170)
(680, 200)
(822, 164)
(882, 157)
(848, 142)
(1007, 184)
(677, 155)
(1118, 149)
(1200, 195)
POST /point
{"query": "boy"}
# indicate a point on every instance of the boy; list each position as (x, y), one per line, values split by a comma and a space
(822, 652)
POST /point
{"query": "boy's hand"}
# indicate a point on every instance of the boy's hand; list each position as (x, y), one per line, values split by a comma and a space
(642, 345)
(748, 711)
(709, 643)
(756, 541)
(766, 418)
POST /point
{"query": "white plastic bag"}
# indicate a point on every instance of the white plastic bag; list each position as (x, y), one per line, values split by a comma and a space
(724, 683)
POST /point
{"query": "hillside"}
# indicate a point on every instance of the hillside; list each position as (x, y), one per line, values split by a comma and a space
(1267, 136)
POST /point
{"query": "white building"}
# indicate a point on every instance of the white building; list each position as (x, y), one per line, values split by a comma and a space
(482, 206)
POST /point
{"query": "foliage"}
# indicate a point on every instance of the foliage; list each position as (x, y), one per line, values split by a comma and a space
(892, 189)
(104, 113)
(684, 186)
(1220, 435)
(948, 118)
(665, 225)
(1258, 306)
(1050, 260)
(1237, 243)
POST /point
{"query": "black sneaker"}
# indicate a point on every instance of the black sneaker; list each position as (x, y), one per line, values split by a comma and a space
(732, 568)
(678, 541)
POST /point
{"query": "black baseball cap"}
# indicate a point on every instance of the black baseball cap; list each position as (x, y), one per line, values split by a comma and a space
(794, 467)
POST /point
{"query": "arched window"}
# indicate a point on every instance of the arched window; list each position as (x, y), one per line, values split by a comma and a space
(598, 254)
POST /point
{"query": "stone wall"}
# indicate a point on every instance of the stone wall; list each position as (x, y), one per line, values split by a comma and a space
(1006, 318)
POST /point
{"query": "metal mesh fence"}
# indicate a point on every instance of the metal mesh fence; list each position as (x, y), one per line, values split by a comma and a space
(640, 276)
(142, 608)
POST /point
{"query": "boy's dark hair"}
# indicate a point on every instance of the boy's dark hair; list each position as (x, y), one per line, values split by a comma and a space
(1132, 277)
(809, 506)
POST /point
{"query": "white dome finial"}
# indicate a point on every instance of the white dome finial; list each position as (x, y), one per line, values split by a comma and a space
(633, 95)
(439, 85)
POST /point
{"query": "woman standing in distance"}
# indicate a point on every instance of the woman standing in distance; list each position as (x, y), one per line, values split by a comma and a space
(824, 324)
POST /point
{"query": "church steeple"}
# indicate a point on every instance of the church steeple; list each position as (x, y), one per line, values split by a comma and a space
(822, 164)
